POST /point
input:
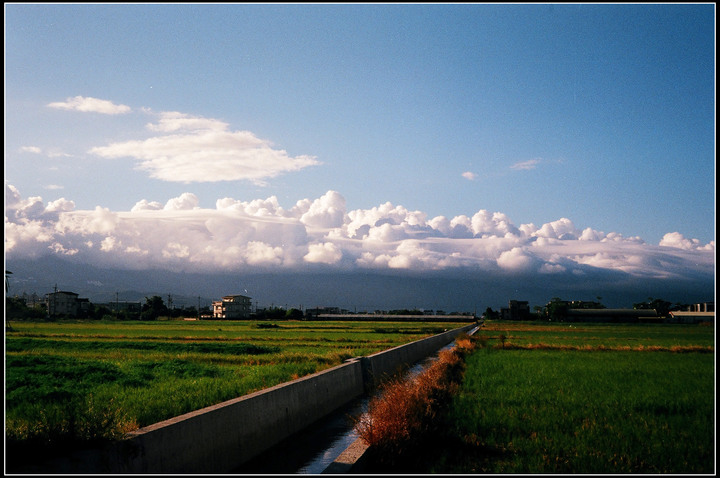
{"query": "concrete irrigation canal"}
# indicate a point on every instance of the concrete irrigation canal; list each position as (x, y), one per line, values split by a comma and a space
(301, 426)
(316, 449)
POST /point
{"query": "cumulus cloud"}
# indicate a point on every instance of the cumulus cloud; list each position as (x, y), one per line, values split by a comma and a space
(183, 202)
(516, 259)
(328, 211)
(195, 149)
(563, 228)
(90, 105)
(262, 235)
(145, 205)
(470, 176)
(325, 253)
(675, 239)
(60, 205)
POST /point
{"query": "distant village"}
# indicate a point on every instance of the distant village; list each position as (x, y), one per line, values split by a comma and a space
(66, 304)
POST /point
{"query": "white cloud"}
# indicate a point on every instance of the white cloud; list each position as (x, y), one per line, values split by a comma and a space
(60, 205)
(326, 212)
(145, 205)
(496, 224)
(675, 239)
(260, 234)
(470, 176)
(184, 202)
(204, 150)
(108, 244)
(175, 121)
(516, 259)
(260, 253)
(90, 105)
(325, 253)
(524, 165)
(30, 149)
(58, 248)
(562, 229)
(175, 249)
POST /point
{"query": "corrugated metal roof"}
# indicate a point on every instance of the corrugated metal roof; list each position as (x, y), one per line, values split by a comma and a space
(692, 314)
(614, 312)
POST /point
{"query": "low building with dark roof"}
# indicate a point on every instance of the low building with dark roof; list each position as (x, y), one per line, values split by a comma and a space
(691, 317)
(609, 315)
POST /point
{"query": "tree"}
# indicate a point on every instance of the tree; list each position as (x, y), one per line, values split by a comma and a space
(538, 311)
(662, 307)
(491, 314)
(153, 308)
(294, 314)
(556, 309)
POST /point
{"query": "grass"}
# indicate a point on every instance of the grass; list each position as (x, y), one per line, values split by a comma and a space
(599, 399)
(80, 382)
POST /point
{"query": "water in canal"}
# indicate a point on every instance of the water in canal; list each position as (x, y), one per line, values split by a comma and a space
(313, 449)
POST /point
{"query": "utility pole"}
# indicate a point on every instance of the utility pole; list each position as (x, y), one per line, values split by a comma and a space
(54, 301)
(117, 306)
(198, 311)
(7, 291)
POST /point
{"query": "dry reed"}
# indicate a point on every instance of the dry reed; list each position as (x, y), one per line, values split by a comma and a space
(407, 412)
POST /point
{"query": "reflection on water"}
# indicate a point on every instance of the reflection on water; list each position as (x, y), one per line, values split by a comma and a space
(311, 450)
(342, 439)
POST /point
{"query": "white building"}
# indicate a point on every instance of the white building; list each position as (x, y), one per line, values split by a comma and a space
(232, 307)
(62, 303)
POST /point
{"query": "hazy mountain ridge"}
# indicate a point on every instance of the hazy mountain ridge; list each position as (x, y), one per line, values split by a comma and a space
(354, 291)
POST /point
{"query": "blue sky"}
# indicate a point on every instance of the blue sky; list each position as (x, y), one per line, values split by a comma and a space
(595, 122)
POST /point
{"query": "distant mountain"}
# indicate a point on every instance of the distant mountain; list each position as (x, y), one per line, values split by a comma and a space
(469, 291)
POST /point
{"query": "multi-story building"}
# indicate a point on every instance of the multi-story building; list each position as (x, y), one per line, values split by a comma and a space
(232, 307)
(516, 310)
(65, 303)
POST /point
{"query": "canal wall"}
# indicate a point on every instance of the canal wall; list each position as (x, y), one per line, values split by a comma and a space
(221, 437)
(382, 365)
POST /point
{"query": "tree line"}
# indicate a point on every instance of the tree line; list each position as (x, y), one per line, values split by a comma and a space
(556, 309)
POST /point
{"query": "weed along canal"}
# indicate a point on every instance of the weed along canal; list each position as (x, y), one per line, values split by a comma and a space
(312, 450)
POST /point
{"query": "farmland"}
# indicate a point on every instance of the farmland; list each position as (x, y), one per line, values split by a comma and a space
(74, 382)
(579, 398)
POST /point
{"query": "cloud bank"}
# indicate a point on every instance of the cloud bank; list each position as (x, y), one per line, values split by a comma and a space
(322, 234)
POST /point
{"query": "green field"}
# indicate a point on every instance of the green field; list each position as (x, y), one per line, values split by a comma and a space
(583, 398)
(79, 381)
